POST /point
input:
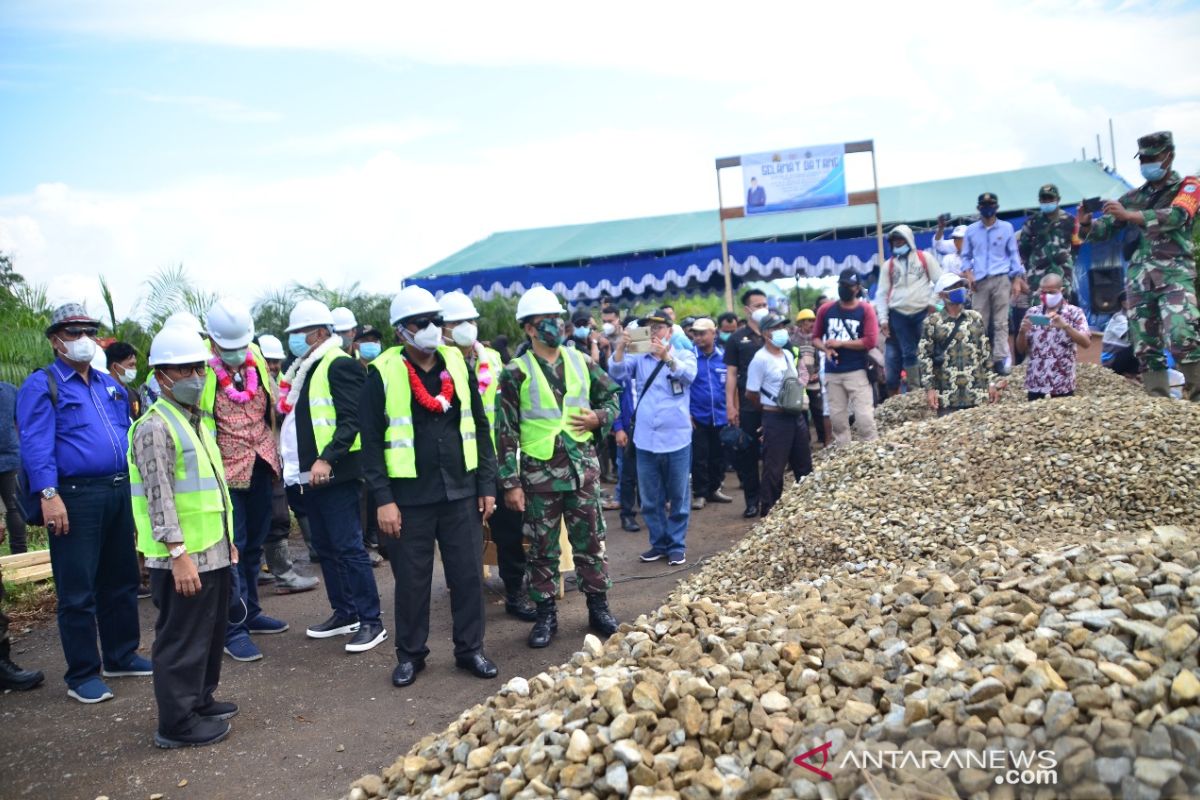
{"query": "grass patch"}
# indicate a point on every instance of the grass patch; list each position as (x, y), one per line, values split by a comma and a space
(27, 603)
(37, 539)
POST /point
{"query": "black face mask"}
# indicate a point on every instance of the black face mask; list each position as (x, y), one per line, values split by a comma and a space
(987, 212)
(847, 293)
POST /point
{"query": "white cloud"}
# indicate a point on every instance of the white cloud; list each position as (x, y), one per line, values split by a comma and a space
(216, 107)
(357, 137)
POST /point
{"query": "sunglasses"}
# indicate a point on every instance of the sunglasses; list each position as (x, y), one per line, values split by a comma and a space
(75, 330)
(186, 369)
(424, 322)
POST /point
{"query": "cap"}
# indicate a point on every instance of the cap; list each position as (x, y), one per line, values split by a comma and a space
(687, 322)
(1153, 144)
(657, 318)
(772, 321)
(67, 313)
(581, 318)
(805, 313)
(1049, 190)
(946, 282)
(366, 330)
(850, 277)
(988, 197)
(959, 233)
(704, 324)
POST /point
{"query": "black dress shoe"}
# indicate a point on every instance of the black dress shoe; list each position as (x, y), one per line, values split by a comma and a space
(15, 678)
(478, 665)
(630, 524)
(751, 512)
(406, 672)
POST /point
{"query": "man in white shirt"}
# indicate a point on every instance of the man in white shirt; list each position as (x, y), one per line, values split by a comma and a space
(949, 251)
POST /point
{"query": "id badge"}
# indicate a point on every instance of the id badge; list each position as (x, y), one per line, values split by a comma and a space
(676, 387)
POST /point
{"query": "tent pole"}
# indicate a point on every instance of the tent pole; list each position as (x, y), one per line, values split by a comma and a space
(878, 210)
(724, 247)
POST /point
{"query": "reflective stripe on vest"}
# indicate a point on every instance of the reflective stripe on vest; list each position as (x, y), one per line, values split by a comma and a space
(541, 418)
(201, 497)
(320, 404)
(208, 398)
(399, 445)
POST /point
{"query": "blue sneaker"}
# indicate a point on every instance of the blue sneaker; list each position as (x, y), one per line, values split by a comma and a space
(242, 649)
(93, 690)
(677, 558)
(137, 667)
(262, 624)
(651, 555)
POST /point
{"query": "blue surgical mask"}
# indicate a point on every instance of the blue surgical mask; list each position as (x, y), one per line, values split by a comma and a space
(779, 338)
(725, 335)
(987, 212)
(370, 350)
(1047, 208)
(957, 296)
(581, 332)
(902, 250)
(1154, 171)
(298, 344)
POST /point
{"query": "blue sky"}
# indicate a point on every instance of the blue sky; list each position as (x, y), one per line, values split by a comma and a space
(260, 142)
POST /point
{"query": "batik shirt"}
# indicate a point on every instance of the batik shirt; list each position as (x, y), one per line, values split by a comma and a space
(962, 380)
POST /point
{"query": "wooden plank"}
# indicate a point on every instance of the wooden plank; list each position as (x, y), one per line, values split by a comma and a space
(732, 213)
(729, 161)
(869, 197)
(32, 558)
(865, 146)
(566, 559)
(33, 574)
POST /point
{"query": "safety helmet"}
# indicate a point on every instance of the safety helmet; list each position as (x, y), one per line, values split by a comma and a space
(343, 319)
(184, 319)
(537, 301)
(230, 324)
(271, 347)
(413, 301)
(175, 344)
(457, 307)
(309, 313)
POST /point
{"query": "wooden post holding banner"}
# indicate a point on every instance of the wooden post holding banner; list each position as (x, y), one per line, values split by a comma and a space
(722, 163)
(872, 197)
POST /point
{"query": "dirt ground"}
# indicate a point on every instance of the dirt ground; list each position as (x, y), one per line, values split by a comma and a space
(313, 717)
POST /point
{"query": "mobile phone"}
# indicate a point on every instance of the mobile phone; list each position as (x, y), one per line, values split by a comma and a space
(1093, 205)
(1040, 320)
(944, 217)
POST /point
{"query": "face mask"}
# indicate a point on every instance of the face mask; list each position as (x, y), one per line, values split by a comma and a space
(465, 334)
(82, 350)
(847, 293)
(550, 332)
(298, 344)
(957, 296)
(186, 391)
(370, 350)
(426, 339)
(987, 212)
(1153, 171)
(779, 338)
(128, 376)
(1048, 208)
(759, 315)
(581, 333)
(724, 336)
(347, 340)
(609, 329)
(1052, 300)
(233, 358)
(902, 250)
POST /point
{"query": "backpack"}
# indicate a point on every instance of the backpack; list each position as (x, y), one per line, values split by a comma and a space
(892, 272)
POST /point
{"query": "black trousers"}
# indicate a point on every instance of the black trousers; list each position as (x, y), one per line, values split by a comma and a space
(13, 518)
(189, 642)
(785, 444)
(747, 461)
(708, 460)
(628, 489)
(457, 529)
(368, 515)
(507, 527)
(281, 520)
(4, 643)
(816, 413)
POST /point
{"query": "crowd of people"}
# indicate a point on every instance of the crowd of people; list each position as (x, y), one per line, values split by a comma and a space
(448, 437)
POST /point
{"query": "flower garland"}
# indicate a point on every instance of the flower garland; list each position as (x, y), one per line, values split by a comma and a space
(225, 380)
(292, 383)
(434, 405)
(484, 373)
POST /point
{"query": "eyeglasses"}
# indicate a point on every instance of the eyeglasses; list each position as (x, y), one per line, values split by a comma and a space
(186, 369)
(75, 330)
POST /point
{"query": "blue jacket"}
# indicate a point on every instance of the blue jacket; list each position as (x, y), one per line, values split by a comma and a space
(708, 390)
(625, 420)
(10, 451)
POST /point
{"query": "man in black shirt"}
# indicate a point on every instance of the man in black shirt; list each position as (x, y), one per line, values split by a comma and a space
(739, 352)
(431, 467)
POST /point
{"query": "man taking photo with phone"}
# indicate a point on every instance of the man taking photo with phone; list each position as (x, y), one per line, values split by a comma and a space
(1049, 333)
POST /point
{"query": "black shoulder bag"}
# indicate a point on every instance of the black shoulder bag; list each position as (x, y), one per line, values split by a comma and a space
(938, 357)
(641, 396)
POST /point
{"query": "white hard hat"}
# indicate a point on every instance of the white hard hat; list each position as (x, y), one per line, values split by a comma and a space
(343, 319)
(230, 324)
(271, 347)
(413, 301)
(457, 307)
(309, 313)
(184, 319)
(538, 300)
(960, 232)
(175, 344)
(946, 282)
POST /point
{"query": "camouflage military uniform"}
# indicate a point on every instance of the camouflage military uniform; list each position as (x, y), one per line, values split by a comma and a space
(962, 379)
(567, 487)
(1046, 245)
(1161, 280)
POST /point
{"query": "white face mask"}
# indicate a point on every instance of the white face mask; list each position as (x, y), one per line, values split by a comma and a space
(464, 334)
(128, 376)
(82, 350)
(759, 315)
(609, 329)
(427, 339)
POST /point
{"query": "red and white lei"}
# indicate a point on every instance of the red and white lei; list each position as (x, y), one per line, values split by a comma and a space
(292, 383)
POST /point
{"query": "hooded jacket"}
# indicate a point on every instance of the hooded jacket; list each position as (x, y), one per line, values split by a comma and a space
(905, 283)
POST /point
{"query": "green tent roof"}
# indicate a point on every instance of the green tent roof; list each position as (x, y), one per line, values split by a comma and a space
(1016, 189)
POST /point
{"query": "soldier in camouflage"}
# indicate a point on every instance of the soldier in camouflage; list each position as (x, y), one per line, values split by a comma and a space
(1047, 242)
(1156, 222)
(551, 400)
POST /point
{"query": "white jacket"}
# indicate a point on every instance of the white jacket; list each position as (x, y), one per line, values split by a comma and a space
(906, 283)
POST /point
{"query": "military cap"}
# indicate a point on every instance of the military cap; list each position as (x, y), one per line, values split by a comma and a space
(656, 318)
(988, 197)
(1049, 190)
(1153, 144)
(366, 331)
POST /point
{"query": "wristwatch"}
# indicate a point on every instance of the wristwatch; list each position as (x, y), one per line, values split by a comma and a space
(178, 550)
(49, 493)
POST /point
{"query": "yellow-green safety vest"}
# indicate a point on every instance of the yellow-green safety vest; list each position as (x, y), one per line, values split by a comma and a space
(208, 398)
(399, 447)
(320, 403)
(491, 394)
(541, 418)
(201, 495)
